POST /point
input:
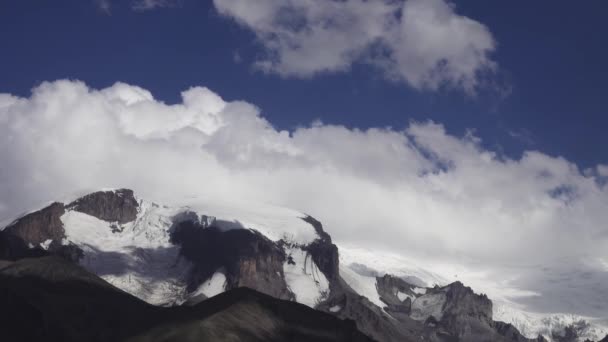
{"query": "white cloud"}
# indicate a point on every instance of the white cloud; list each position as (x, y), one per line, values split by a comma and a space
(422, 42)
(417, 191)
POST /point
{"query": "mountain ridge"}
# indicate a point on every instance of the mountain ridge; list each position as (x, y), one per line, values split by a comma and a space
(301, 265)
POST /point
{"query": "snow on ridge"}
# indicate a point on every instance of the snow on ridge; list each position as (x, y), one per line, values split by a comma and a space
(532, 324)
(389, 263)
(363, 285)
(139, 259)
(274, 222)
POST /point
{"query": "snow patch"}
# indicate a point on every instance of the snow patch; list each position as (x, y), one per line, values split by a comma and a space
(364, 286)
(403, 296)
(212, 286)
(304, 278)
(419, 290)
(335, 308)
(45, 245)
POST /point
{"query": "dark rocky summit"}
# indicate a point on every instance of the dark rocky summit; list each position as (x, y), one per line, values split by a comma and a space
(111, 206)
(40, 226)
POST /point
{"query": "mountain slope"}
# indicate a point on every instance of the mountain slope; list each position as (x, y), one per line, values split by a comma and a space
(181, 255)
(52, 299)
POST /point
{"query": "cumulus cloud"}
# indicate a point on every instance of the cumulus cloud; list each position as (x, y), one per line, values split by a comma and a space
(417, 191)
(424, 43)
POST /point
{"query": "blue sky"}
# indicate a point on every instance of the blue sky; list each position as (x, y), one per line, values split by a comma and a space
(550, 54)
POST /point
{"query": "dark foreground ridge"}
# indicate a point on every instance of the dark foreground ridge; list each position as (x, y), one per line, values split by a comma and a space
(51, 299)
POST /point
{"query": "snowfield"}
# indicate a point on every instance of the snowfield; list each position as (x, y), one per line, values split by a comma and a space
(139, 258)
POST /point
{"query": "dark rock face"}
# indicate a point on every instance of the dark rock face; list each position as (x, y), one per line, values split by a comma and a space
(248, 258)
(511, 333)
(13, 248)
(467, 316)
(461, 301)
(318, 228)
(388, 289)
(325, 255)
(111, 206)
(323, 252)
(40, 226)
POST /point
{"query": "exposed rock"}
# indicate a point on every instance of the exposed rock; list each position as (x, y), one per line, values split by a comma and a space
(318, 228)
(511, 333)
(461, 301)
(468, 316)
(248, 258)
(369, 318)
(13, 248)
(40, 226)
(325, 255)
(389, 288)
(111, 206)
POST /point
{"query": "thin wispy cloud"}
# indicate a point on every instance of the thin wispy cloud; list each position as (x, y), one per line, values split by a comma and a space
(424, 43)
(138, 5)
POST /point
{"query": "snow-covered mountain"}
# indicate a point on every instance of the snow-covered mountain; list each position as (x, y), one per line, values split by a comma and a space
(172, 254)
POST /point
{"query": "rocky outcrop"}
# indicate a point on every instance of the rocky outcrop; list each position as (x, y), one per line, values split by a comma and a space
(40, 226)
(323, 252)
(248, 258)
(111, 206)
(467, 316)
(390, 289)
(371, 320)
(450, 313)
(26, 237)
